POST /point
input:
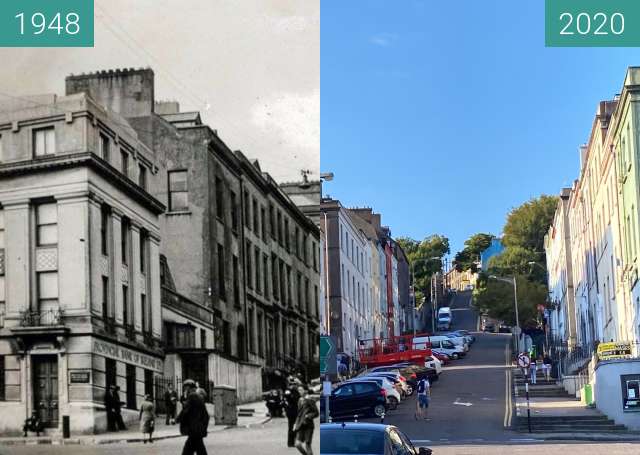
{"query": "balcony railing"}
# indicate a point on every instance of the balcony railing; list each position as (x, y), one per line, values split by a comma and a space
(174, 300)
(52, 317)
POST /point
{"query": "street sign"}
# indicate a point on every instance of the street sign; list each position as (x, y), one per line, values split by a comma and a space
(328, 362)
(523, 360)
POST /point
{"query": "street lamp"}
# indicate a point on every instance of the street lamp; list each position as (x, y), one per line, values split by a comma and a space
(413, 289)
(512, 281)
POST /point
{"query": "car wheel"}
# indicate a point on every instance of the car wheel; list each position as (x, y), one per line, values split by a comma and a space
(409, 390)
(379, 410)
(455, 356)
(393, 403)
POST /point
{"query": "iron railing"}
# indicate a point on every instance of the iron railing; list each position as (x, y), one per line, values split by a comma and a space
(37, 318)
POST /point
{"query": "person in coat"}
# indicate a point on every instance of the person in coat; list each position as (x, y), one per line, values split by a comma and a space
(307, 412)
(193, 419)
(147, 418)
(110, 408)
(117, 406)
(171, 402)
(291, 398)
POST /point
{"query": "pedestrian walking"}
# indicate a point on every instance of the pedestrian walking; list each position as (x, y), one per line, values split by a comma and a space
(193, 419)
(423, 389)
(533, 370)
(147, 418)
(548, 363)
(117, 407)
(110, 407)
(170, 403)
(291, 398)
(304, 426)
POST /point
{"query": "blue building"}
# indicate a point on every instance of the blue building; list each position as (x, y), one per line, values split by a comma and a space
(494, 249)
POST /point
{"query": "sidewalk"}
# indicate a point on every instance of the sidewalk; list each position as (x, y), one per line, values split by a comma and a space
(133, 434)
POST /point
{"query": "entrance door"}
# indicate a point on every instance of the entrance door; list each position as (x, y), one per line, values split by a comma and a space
(195, 367)
(45, 388)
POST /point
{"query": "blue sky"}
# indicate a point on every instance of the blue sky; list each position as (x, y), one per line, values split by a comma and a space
(443, 116)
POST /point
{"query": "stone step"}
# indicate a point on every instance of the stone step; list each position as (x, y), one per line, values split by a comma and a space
(573, 419)
(570, 430)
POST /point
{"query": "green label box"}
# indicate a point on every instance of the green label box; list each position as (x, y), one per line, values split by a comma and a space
(46, 23)
(592, 23)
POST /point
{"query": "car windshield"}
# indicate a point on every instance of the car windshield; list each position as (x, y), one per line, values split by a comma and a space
(351, 442)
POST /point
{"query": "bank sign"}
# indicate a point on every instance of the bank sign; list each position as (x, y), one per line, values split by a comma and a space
(614, 350)
(127, 355)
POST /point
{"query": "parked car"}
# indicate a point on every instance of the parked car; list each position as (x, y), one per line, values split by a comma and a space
(504, 329)
(365, 439)
(360, 398)
(399, 381)
(441, 356)
(393, 396)
(414, 373)
(445, 344)
(471, 338)
(458, 340)
(432, 361)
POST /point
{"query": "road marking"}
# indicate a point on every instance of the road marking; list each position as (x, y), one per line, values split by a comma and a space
(421, 441)
(461, 404)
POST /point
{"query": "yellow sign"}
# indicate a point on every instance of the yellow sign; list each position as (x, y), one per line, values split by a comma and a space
(614, 350)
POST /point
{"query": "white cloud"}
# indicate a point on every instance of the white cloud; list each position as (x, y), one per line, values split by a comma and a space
(383, 39)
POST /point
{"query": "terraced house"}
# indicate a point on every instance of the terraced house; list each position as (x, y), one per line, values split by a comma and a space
(137, 249)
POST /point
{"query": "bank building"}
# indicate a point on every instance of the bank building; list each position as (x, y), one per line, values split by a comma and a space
(79, 263)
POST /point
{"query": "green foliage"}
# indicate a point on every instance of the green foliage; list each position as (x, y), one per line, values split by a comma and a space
(523, 238)
(420, 254)
(496, 298)
(473, 246)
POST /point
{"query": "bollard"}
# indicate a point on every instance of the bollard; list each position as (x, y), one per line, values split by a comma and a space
(66, 427)
(526, 388)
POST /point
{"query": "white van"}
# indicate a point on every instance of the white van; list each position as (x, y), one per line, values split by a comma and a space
(439, 343)
(445, 318)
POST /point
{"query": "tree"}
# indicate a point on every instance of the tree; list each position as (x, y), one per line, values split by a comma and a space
(527, 224)
(470, 255)
(420, 254)
(497, 300)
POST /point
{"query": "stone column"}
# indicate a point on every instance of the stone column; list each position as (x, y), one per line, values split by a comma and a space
(18, 279)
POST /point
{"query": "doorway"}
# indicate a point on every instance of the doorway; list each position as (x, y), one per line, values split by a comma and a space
(45, 388)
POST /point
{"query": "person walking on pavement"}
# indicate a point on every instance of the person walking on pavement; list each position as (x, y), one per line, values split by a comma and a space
(117, 407)
(533, 370)
(548, 363)
(291, 398)
(147, 418)
(423, 389)
(170, 402)
(307, 412)
(110, 408)
(194, 420)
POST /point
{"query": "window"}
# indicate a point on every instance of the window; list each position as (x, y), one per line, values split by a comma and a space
(105, 218)
(314, 252)
(146, 326)
(144, 239)
(265, 274)
(316, 298)
(124, 163)
(124, 240)
(272, 221)
(105, 152)
(247, 210)
(305, 250)
(236, 281)
(249, 259)
(142, 177)
(125, 306)
(219, 199)
(47, 290)
(131, 386)
(289, 284)
(286, 236)
(256, 217)
(234, 211)
(299, 290)
(203, 339)
(178, 191)
(280, 228)
(274, 276)
(47, 224)
(251, 334)
(105, 297)
(307, 305)
(3, 395)
(296, 241)
(44, 142)
(2, 279)
(263, 219)
(221, 273)
(256, 263)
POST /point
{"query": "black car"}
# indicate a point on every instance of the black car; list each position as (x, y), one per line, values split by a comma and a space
(365, 438)
(414, 373)
(356, 399)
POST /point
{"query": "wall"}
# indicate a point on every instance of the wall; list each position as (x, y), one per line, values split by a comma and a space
(608, 392)
(246, 378)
